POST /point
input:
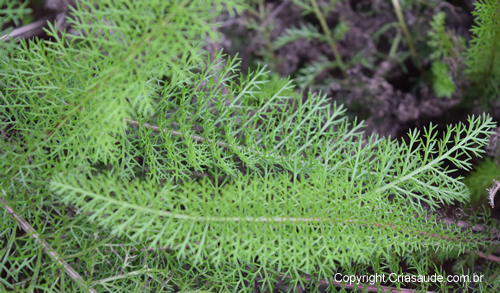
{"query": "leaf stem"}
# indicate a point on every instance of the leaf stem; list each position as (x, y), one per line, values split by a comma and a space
(404, 28)
(329, 38)
(46, 247)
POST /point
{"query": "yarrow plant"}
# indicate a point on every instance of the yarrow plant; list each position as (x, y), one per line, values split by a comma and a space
(482, 58)
(135, 161)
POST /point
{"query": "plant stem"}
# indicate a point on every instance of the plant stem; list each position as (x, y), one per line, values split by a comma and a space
(122, 276)
(329, 38)
(404, 28)
(487, 256)
(46, 247)
(266, 34)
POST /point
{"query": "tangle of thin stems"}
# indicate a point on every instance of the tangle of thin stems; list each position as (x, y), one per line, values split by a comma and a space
(74, 275)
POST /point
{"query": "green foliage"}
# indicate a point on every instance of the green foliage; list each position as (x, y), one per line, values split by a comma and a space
(265, 209)
(10, 11)
(340, 30)
(442, 82)
(480, 179)
(307, 75)
(272, 84)
(482, 57)
(306, 31)
(444, 46)
(439, 40)
(309, 32)
(107, 133)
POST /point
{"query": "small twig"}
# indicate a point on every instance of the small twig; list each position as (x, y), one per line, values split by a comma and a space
(488, 257)
(167, 279)
(275, 12)
(46, 247)
(464, 224)
(449, 6)
(29, 30)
